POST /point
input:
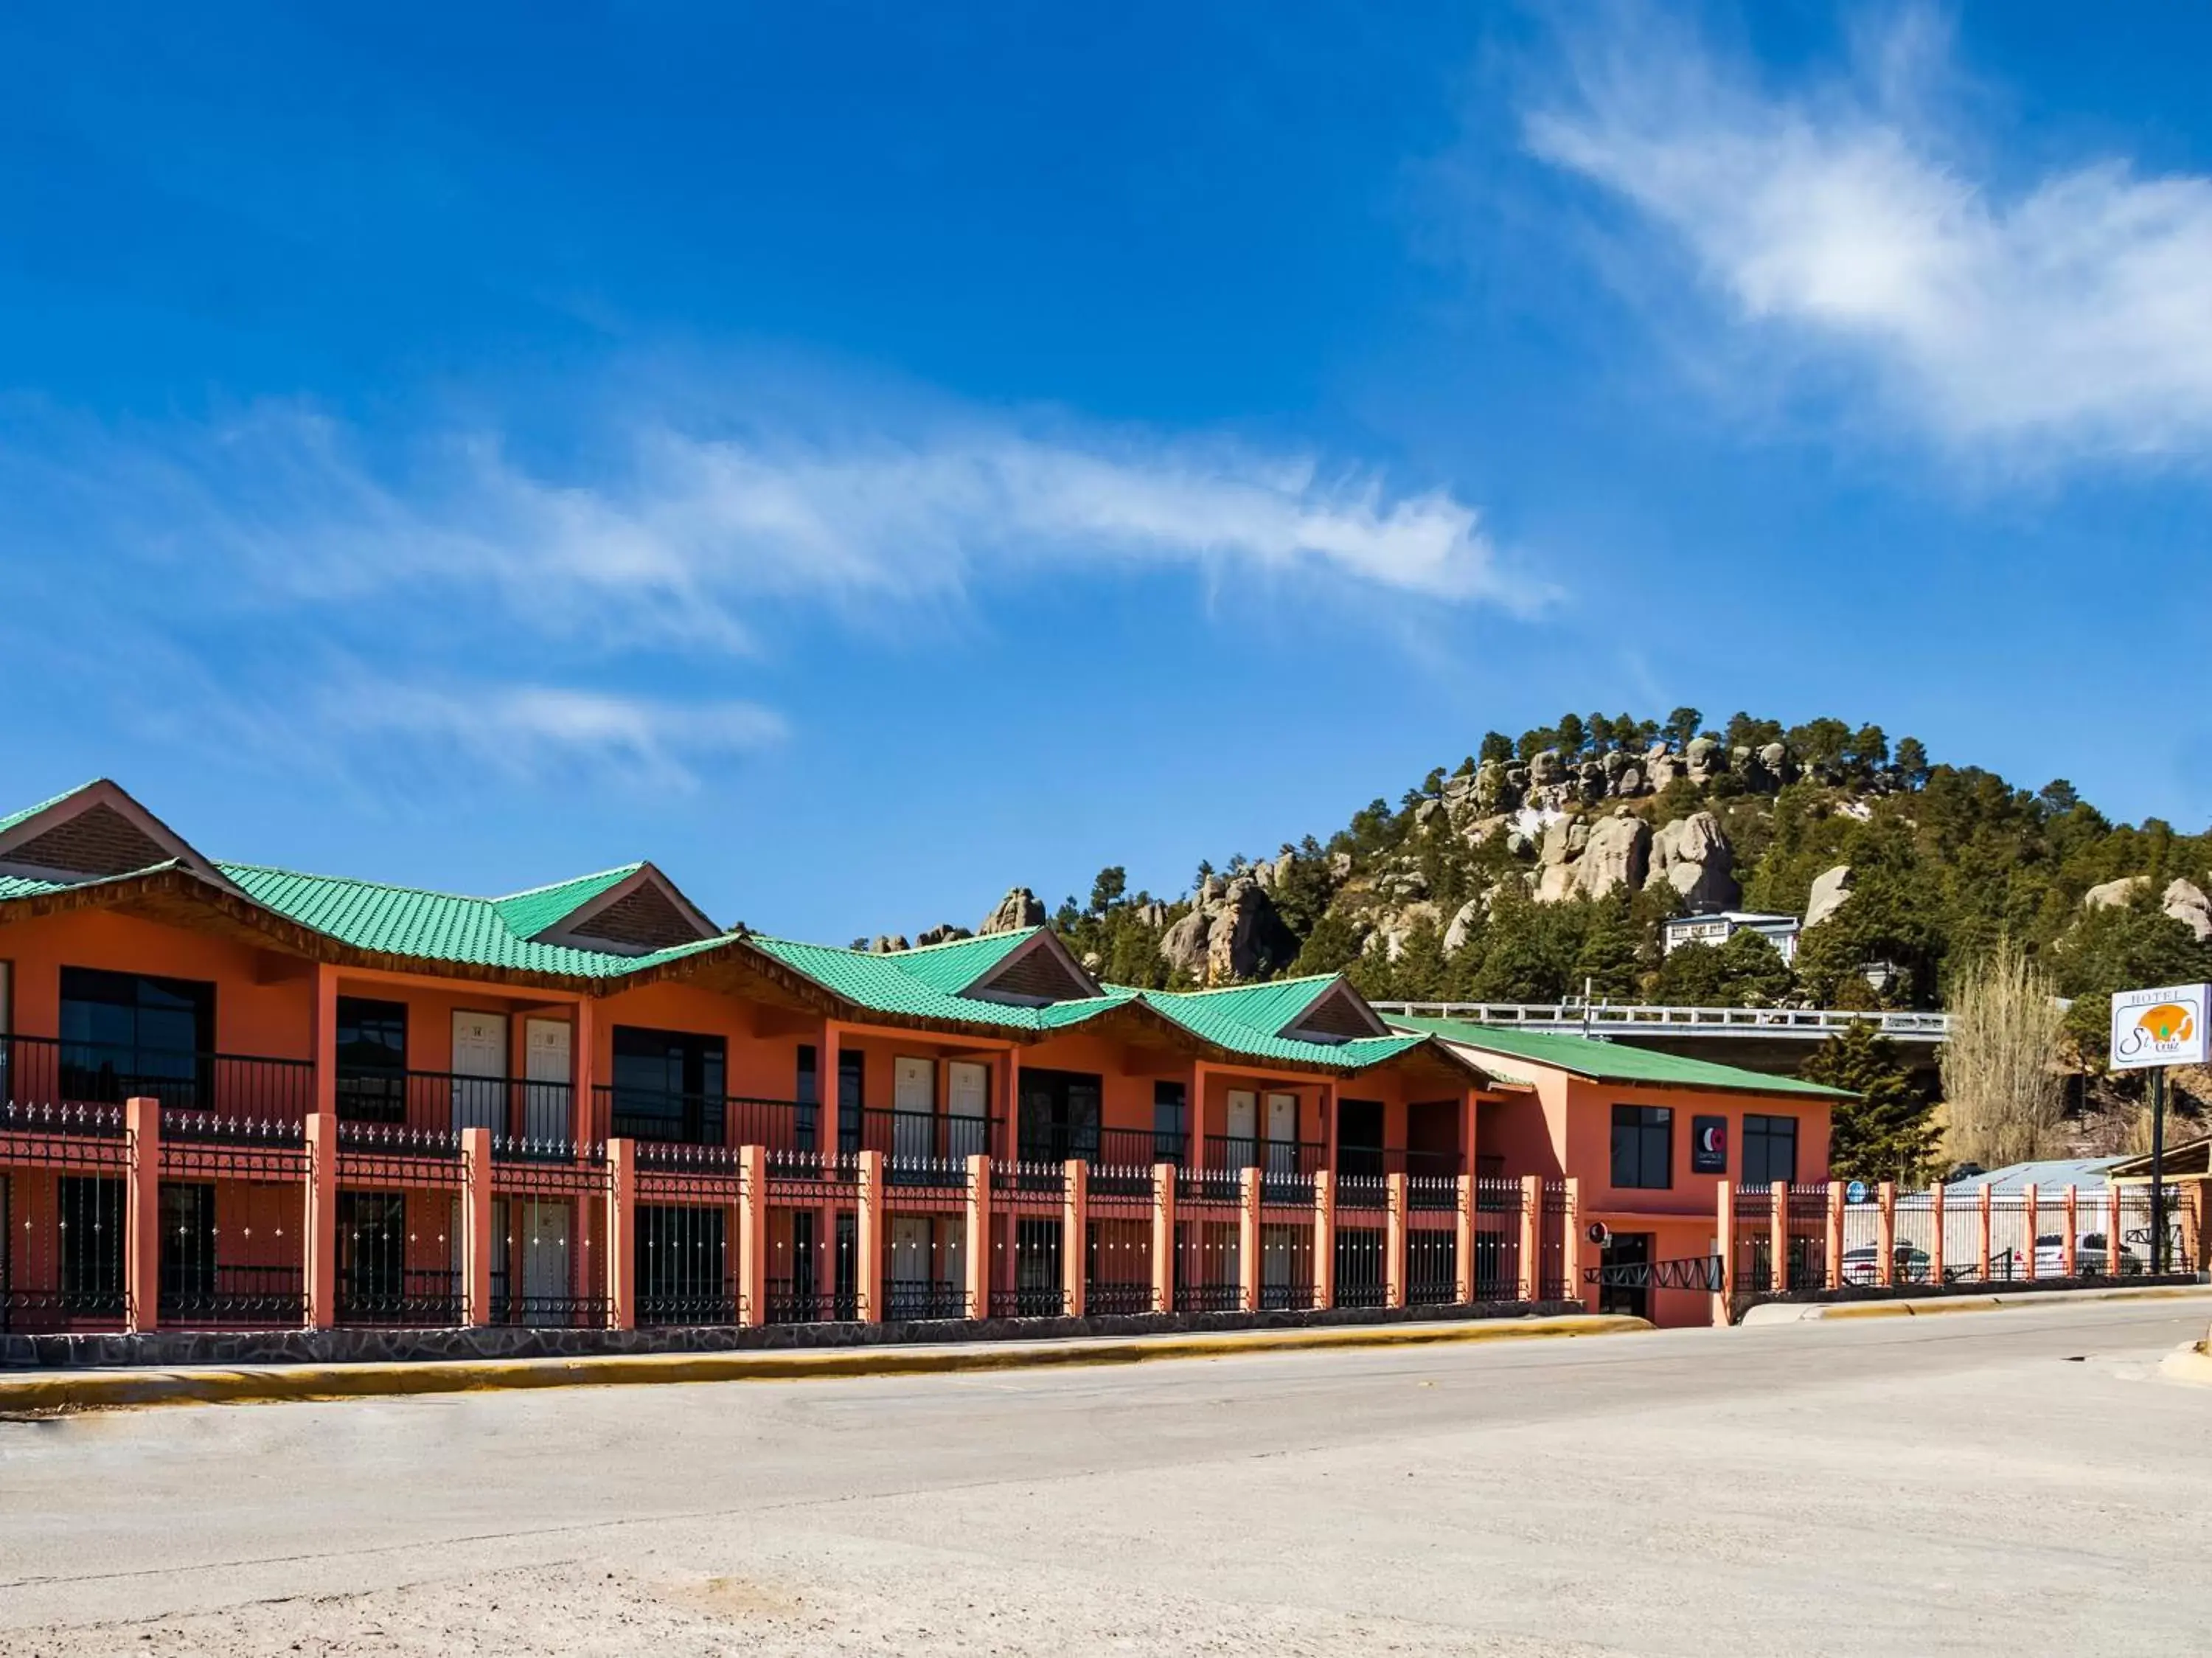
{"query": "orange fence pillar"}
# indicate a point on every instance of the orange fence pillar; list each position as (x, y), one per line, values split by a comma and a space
(1393, 1241)
(622, 1234)
(1163, 1237)
(1074, 1234)
(2067, 1261)
(1937, 1239)
(752, 1235)
(1463, 1290)
(327, 1040)
(477, 1242)
(1778, 1239)
(1835, 1234)
(2034, 1225)
(1324, 1241)
(1570, 1239)
(979, 1236)
(1724, 1227)
(1532, 1210)
(142, 1215)
(1983, 1221)
(320, 1243)
(2113, 1260)
(1886, 1267)
(2196, 1248)
(868, 1239)
(1247, 1243)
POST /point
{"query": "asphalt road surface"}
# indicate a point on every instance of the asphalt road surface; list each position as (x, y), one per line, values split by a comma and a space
(2018, 1482)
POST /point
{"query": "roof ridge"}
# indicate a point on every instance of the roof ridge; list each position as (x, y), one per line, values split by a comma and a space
(911, 949)
(364, 880)
(629, 868)
(1261, 984)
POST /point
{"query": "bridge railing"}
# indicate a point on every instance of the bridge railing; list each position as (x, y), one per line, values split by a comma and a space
(1604, 1018)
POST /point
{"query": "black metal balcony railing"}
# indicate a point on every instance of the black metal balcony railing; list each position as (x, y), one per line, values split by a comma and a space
(708, 1119)
(917, 1138)
(1101, 1147)
(46, 1072)
(1376, 1162)
(1285, 1157)
(510, 1106)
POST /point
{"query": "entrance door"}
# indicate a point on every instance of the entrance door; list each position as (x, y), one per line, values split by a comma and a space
(1282, 1133)
(968, 1103)
(913, 1109)
(547, 1111)
(479, 1070)
(543, 1232)
(1243, 1126)
(1631, 1251)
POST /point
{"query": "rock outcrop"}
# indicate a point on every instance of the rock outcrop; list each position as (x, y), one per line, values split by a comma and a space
(944, 933)
(1231, 932)
(2113, 894)
(1020, 908)
(1693, 856)
(1830, 888)
(2183, 900)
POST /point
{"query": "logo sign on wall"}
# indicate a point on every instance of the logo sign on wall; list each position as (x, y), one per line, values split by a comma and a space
(2163, 1026)
(1709, 1145)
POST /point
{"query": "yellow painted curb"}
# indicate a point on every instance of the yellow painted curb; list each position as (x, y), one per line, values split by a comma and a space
(1933, 1307)
(105, 1390)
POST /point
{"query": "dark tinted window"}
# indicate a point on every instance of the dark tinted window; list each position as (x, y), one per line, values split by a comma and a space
(1643, 1146)
(1769, 1149)
(1171, 1118)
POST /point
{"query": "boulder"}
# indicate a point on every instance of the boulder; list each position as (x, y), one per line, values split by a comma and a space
(1494, 789)
(1830, 888)
(1020, 908)
(1775, 757)
(885, 943)
(1391, 934)
(1340, 866)
(1629, 783)
(944, 933)
(1464, 921)
(1518, 843)
(1153, 913)
(1702, 757)
(1232, 933)
(1617, 855)
(1693, 856)
(2184, 901)
(1662, 770)
(1547, 769)
(1427, 813)
(1593, 780)
(1559, 842)
(1285, 862)
(2111, 894)
(1183, 945)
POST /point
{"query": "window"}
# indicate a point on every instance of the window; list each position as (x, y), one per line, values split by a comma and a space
(1359, 1137)
(852, 1096)
(126, 1033)
(1170, 1122)
(807, 1087)
(1769, 1149)
(1643, 1147)
(372, 1052)
(1058, 1116)
(669, 1085)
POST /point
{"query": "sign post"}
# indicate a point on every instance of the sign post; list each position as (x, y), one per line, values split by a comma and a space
(2151, 1030)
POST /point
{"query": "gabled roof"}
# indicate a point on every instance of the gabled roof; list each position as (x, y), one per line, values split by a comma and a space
(1248, 1018)
(1610, 1062)
(531, 912)
(95, 832)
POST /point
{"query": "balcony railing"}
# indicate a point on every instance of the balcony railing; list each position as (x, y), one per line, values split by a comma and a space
(708, 1119)
(508, 1105)
(1375, 1161)
(1101, 1147)
(44, 1072)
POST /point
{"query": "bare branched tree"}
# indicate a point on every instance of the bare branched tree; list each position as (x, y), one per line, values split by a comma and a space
(2000, 1081)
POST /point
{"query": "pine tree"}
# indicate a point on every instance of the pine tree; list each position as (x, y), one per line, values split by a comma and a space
(1889, 1132)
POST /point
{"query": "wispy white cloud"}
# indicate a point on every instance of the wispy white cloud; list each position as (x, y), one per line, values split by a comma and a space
(2066, 315)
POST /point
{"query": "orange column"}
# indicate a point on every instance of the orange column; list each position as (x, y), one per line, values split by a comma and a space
(1163, 1237)
(2114, 1261)
(1247, 1243)
(476, 1226)
(1531, 1212)
(1886, 1266)
(321, 1242)
(142, 1215)
(1196, 1157)
(1724, 1224)
(2193, 1218)
(327, 1040)
(1937, 1224)
(588, 1124)
(868, 1239)
(1464, 1249)
(1324, 1238)
(1571, 1242)
(1835, 1234)
(1393, 1239)
(1074, 1233)
(752, 1235)
(1327, 1134)
(2034, 1225)
(2067, 1262)
(1778, 1239)
(1468, 1130)
(1008, 1140)
(622, 1233)
(979, 1236)
(829, 1083)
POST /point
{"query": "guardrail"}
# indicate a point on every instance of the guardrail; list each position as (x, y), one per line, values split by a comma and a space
(1606, 1019)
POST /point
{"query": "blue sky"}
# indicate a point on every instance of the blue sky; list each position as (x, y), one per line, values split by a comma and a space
(865, 457)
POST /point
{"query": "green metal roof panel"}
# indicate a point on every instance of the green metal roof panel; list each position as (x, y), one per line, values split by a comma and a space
(28, 812)
(1221, 1016)
(1611, 1062)
(958, 963)
(530, 913)
(1266, 1009)
(882, 984)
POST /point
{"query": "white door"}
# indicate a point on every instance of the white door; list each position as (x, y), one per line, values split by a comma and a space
(909, 1262)
(480, 1071)
(913, 1109)
(1282, 1133)
(1243, 1126)
(968, 1103)
(544, 1242)
(548, 1113)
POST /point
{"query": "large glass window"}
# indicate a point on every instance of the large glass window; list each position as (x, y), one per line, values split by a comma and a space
(1170, 1121)
(1769, 1149)
(1058, 1116)
(1643, 1146)
(1359, 1137)
(126, 1033)
(669, 1085)
(372, 1053)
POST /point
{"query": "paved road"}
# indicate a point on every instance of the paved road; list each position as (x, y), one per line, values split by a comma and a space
(2016, 1481)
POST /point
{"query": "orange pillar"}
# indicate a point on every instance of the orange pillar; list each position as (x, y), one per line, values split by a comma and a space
(1470, 1127)
(1074, 1233)
(1936, 1225)
(1008, 1141)
(2066, 1256)
(476, 1226)
(868, 1239)
(320, 1244)
(1394, 1240)
(327, 1040)
(979, 1235)
(2113, 1260)
(2034, 1225)
(1196, 1157)
(142, 1215)
(1532, 1210)
(1163, 1237)
(1724, 1224)
(586, 1124)
(2194, 1243)
(1324, 1238)
(1886, 1266)
(1248, 1242)
(1835, 1234)
(829, 1083)
(1983, 1221)
(752, 1235)
(1463, 1244)
(1570, 1240)
(1778, 1239)
(622, 1233)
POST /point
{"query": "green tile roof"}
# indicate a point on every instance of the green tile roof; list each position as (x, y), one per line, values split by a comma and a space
(530, 913)
(1225, 1018)
(959, 962)
(1610, 1062)
(15, 817)
(882, 984)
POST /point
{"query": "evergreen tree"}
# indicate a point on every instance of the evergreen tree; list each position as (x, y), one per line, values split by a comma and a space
(1681, 726)
(1497, 746)
(1609, 964)
(1571, 735)
(1912, 761)
(1888, 1133)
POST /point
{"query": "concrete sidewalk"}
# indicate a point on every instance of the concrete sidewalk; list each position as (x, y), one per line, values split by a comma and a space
(22, 1392)
(1932, 1306)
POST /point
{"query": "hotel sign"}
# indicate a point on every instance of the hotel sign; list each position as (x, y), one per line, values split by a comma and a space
(2162, 1026)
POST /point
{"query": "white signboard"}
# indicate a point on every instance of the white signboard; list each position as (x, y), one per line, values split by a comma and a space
(2164, 1027)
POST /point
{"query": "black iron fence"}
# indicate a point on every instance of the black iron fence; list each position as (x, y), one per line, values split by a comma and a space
(41, 1071)
(436, 1099)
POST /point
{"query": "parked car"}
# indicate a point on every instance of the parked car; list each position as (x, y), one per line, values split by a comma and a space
(1909, 1263)
(2088, 1257)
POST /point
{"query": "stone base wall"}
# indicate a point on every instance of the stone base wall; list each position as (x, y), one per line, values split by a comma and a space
(354, 1346)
